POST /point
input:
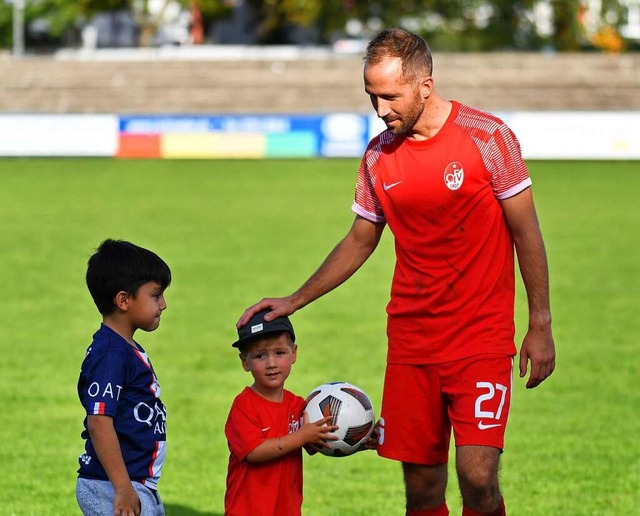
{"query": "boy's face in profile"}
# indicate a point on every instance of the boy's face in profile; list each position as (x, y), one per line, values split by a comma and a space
(269, 361)
(146, 306)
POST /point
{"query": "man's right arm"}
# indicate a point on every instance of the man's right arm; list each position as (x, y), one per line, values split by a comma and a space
(341, 263)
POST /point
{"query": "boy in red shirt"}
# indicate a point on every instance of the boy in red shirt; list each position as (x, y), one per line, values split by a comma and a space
(265, 429)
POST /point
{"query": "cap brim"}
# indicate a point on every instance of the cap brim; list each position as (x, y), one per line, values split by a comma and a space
(248, 338)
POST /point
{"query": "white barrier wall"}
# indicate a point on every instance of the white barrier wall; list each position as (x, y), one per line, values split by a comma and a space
(570, 134)
(542, 135)
(577, 135)
(58, 135)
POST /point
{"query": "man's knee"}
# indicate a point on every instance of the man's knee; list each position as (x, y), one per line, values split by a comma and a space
(477, 469)
(477, 485)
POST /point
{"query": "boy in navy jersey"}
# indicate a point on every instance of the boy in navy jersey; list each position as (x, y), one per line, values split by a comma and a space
(125, 426)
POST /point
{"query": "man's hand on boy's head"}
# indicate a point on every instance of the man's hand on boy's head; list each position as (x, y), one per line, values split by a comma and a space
(279, 306)
(318, 432)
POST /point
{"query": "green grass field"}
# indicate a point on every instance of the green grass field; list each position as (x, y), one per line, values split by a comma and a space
(234, 231)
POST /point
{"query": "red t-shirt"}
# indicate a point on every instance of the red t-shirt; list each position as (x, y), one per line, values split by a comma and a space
(272, 488)
(452, 294)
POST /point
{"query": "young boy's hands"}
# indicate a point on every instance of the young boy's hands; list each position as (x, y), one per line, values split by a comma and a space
(372, 442)
(126, 502)
(310, 436)
(317, 433)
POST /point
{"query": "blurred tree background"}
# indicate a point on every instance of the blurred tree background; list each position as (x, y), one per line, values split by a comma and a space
(453, 25)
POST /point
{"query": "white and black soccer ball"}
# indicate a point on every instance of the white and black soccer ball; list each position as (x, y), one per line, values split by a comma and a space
(350, 409)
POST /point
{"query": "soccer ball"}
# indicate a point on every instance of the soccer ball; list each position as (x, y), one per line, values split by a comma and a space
(350, 409)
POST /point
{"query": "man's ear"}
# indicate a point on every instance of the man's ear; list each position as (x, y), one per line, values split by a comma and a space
(121, 300)
(426, 87)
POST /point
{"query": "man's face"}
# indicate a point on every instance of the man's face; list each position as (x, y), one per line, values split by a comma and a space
(397, 102)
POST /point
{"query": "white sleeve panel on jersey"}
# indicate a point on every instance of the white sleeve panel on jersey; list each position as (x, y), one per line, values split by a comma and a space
(372, 217)
(515, 190)
(507, 168)
(499, 149)
(366, 201)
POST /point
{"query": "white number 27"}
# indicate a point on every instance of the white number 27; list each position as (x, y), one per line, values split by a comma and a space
(491, 392)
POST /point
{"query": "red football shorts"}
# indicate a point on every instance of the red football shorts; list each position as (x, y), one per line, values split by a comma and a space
(422, 403)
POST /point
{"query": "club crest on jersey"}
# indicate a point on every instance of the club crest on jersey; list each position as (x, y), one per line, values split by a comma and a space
(453, 175)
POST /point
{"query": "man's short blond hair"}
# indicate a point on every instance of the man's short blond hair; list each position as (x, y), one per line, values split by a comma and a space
(413, 51)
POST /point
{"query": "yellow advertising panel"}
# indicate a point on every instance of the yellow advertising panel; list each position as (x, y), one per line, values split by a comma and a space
(213, 145)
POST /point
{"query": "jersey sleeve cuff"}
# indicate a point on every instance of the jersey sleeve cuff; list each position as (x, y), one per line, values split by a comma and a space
(359, 210)
(515, 190)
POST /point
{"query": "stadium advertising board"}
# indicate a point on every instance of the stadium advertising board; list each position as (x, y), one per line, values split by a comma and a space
(242, 136)
(542, 135)
(58, 135)
(577, 135)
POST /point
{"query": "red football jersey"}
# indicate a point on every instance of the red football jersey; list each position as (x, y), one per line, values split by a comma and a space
(272, 488)
(452, 294)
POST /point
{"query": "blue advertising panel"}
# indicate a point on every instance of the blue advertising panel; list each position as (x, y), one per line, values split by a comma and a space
(331, 135)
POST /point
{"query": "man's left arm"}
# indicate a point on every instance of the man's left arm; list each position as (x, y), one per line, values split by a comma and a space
(537, 346)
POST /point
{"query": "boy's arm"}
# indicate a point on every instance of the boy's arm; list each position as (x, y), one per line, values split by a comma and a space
(317, 433)
(105, 442)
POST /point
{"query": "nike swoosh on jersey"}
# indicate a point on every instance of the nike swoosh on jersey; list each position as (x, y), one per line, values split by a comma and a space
(265, 429)
(482, 426)
(386, 186)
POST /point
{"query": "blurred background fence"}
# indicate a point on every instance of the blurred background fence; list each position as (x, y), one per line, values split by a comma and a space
(291, 80)
(276, 61)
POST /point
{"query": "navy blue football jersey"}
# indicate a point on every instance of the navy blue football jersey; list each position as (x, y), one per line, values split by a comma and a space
(117, 380)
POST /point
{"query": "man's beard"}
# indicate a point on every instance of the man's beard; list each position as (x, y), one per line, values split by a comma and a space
(408, 121)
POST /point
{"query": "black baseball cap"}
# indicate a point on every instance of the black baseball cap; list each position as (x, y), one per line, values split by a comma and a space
(258, 326)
